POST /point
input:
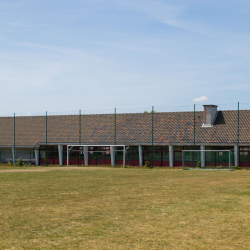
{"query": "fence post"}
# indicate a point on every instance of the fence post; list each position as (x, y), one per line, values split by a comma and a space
(46, 141)
(80, 139)
(114, 148)
(152, 136)
(115, 129)
(14, 159)
(238, 136)
(194, 136)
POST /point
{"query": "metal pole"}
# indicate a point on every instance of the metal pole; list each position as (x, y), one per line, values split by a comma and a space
(67, 155)
(152, 136)
(46, 139)
(115, 129)
(124, 155)
(238, 135)
(80, 135)
(14, 160)
(194, 135)
(114, 140)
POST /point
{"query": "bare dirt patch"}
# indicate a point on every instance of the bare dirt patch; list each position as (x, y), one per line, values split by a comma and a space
(46, 169)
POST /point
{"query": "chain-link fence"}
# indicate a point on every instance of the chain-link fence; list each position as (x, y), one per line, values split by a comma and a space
(155, 136)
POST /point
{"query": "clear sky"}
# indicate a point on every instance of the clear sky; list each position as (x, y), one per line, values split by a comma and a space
(61, 55)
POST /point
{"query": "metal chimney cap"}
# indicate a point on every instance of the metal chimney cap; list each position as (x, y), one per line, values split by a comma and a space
(210, 105)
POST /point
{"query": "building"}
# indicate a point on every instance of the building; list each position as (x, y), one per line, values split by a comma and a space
(171, 132)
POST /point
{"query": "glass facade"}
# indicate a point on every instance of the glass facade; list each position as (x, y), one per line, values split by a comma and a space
(49, 156)
(244, 156)
(159, 155)
(217, 158)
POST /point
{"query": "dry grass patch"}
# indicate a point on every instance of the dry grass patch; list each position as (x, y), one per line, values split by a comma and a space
(125, 209)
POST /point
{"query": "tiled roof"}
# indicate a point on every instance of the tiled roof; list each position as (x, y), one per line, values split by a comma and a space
(172, 127)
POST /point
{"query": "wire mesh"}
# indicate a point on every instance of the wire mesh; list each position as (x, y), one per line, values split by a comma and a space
(207, 159)
(148, 127)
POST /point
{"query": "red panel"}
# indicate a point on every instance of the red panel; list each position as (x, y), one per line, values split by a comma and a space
(129, 162)
(244, 164)
(73, 162)
(136, 163)
(108, 162)
(50, 161)
(159, 163)
(191, 164)
(178, 164)
(42, 162)
(92, 162)
(211, 164)
(156, 163)
(165, 163)
(100, 162)
(56, 161)
(119, 162)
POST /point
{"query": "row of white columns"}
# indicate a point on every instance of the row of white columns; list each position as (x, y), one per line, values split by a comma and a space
(171, 155)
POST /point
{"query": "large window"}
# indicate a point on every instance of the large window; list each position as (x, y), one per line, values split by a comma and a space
(219, 156)
(52, 152)
(119, 153)
(244, 154)
(160, 154)
(132, 153)
(189, 157)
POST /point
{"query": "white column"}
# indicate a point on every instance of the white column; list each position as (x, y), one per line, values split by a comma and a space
(86, 156)
(13, 157)
(60, 153)
(112, 148)
(171, 156)
(37, 156)
(236, 155)
(203, 157)
(140, 155)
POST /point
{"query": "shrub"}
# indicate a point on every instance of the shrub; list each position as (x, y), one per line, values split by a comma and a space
(19, 162)
(10, 163)
(147, 165)
(236, 167)
(199, 164)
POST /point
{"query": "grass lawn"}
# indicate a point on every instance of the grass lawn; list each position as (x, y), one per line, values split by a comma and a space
(116, 208)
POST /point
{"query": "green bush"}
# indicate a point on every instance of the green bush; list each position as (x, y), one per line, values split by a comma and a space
(198, 164)
(10, 163)
(147, 165)
(236, 167)
(19, 162)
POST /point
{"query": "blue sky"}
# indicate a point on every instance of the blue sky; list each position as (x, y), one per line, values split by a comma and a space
(99, 54)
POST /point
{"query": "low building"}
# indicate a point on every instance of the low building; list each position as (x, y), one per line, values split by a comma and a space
(171, 132)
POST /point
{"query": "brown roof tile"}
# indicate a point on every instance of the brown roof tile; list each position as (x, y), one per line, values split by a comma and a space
(172, 127)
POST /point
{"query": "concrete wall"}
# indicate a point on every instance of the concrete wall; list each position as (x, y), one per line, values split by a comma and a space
(171, 156)
(6, 154)
(25, 153)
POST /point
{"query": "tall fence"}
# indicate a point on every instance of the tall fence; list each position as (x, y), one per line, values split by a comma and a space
(147, 126)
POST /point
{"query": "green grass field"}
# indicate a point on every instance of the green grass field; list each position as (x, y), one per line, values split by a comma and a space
(115, 208)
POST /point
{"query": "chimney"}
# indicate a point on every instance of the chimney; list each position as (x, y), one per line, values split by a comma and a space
(210, 114)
